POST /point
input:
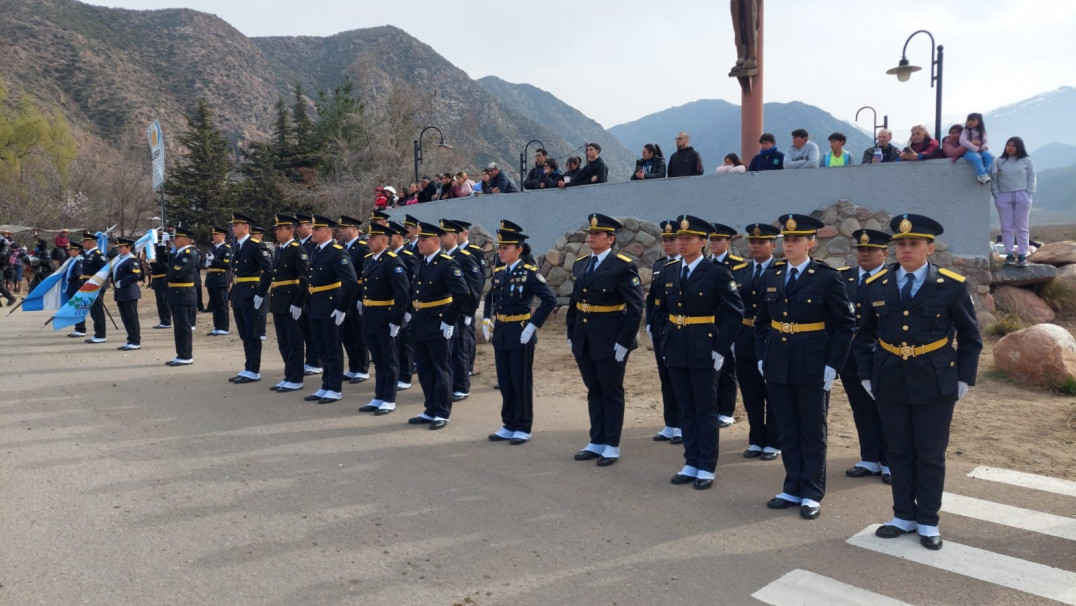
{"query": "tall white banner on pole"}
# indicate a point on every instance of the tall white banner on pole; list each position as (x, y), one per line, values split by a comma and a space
(156, 148)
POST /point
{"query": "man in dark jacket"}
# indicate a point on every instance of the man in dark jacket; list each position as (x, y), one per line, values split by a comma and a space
(594, 172)
(500, 183)
(769, 157)
(685, 161)
(890, 152)
(534, 177)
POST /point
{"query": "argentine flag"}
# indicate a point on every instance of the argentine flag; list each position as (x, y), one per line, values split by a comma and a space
(75, 309)
(50, 293)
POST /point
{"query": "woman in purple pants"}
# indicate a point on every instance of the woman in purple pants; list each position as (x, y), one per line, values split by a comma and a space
(1013, 184)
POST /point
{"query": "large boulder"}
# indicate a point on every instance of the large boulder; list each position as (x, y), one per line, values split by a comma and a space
(1055, 253)
(1067, 274)
(1023, 303)
(1034, 273)
(1044, 355)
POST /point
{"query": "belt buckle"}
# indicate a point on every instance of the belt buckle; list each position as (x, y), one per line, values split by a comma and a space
(585, 308)
(786, 327)
(907, 351)
(679, 321)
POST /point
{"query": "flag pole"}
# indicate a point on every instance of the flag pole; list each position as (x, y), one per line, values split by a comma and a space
(12, 310)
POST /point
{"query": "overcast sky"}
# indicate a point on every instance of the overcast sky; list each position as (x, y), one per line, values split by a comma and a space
(617, 61)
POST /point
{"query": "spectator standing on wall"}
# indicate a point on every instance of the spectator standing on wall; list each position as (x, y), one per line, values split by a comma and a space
(803, 153)
(768, 158)
(921, 146)
(500, 183)
(973, 137)
(1013, 185)
(685, 161)
(836, 156)
(534, 177)
(651, 165)
(594, 172)
(731, 165)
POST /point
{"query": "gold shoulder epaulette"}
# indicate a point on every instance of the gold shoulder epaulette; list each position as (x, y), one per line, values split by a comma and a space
(391, 254)
(740, 266)
(338, 247)
(845, 268)
(294, 243)
(501, 268)
(256, 241)
(671, 262)
(951, 274)
(778, 264)
(363, 242)
(368, 255)
(876, 276)
(624, 258)
(530, 267)
(447, 257)
(407, 252)
(464, 251)
(735, 258)
(581, 258)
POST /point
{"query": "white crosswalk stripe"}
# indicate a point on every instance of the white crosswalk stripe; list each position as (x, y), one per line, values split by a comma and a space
(1025, 480)
(1007, 515)
(1029, 577)
(804, 588)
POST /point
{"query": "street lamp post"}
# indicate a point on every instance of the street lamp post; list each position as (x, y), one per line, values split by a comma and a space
(418, 147)
(903, 71)
(884, 124)
(523, 161)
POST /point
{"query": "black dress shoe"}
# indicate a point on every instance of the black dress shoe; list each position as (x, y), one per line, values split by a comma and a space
(438, 424)
(358, 380)
(460, 397)
(586, 455)
(680, 479)
(860, 472)
(368, 408)
(809, 512)
(312, 398)
(887, 479)
(723, 424)
(779, 503)
(496, 438)
(328, 400)
(287, 389)
(932, 543)
(606, 461)
(888, 531)
(701, 484)
(383, 411)
(676, 440)
(418, 421)
(768, 456)
(661, 438)
(518, 441)
(752, 454)
(233, 379)
(242, 380)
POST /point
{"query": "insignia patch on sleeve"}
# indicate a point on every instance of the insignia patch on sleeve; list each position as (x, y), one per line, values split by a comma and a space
(456, 272)
(344, 260)
(265, 253)
(399, 269)
(303, 256)
(635, 281)
(732, 286)
(540, 278)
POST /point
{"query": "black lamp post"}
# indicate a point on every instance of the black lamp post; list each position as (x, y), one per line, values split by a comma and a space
(418, 146)
(884, 124)
(903, 71)
(523, 162)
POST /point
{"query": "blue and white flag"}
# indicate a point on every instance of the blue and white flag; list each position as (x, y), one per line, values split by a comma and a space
(51, 292)
(148, 242)
(76, 308)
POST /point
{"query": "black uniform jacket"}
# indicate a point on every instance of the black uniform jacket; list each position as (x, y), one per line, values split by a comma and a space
(434, 282)
(181, 277)
(708, 294)
(385, 279)
(290, 277)
(614, 284)
(510, 295)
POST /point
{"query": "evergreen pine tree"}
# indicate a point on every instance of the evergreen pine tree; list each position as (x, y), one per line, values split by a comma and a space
(198, 192)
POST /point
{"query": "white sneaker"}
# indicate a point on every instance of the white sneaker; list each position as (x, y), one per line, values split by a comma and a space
(96, 340)
(402, 385)
(77, 333)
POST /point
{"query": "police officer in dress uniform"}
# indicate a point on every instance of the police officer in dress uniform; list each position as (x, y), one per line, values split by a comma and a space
(126, 274)
(871, 249)
(655, 329)
(704, 314)
(472, 273)
(92, 262)
(725, 387)
(73, 281)
(438, 295)
(398, 243)
(261, 315)
(479, 256)
(181, 278)
(158, 281)
(289, 291)
(515, 285)
(602, 320)
(332, 285)
(352, 334)
(908, 358)
(763, 437)
(803, 332)
(218, 262)
(411, 223)
(304, 232)
(386, 293)
(253, 267)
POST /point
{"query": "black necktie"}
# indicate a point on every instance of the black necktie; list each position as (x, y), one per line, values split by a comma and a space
(685, 274)
(593, 263)
(791, 279)
(906, 290)
(757, 277)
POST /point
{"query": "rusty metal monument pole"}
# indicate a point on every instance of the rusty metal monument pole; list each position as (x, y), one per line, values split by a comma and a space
(747, 24)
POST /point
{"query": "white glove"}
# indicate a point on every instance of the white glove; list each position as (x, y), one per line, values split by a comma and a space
(407, 317)
(569, 343)
(258, 301)
(528, 332)
(619, 352)
(732, 348)
(338, 316)
(827, 378)
(296, 311)
(467, 320)
(649, 335)
(487, 329)
(719, 360)
(208, 259)
(867, 386)
(447, 330)
(760, 368)
(358, 306)
(961, 390)
(393, 330)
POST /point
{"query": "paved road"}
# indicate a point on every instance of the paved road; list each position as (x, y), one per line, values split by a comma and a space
(126, 482)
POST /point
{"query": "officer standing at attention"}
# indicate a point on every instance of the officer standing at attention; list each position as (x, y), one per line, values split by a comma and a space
(351, 331)
(126, 274)
(386, 293)
(303, 232)
(704, 314)
(472, 273)
(515, 286)
(655, 330)
(181, 278)
(871, 249)
(438, 295)
(908, 357)
(332, 284)
(602, 320)
(803, 332)
(92, 262)
(253, 268)
(218, 262)
(479, 256)
(763, 438)
(398, 243)
(158, 272)
(725, 387)
(290, 275)
(257, 235)
(73, 281)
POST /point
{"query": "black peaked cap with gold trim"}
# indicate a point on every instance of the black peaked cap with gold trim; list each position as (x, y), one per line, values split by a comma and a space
(668, 228)
(799, 225)
(688, 225)
(510, 236)
(717, 230)
(321, 221)
(600, 222)
(870, 238)
(430, 229)
(762, 231)
(915, 226)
